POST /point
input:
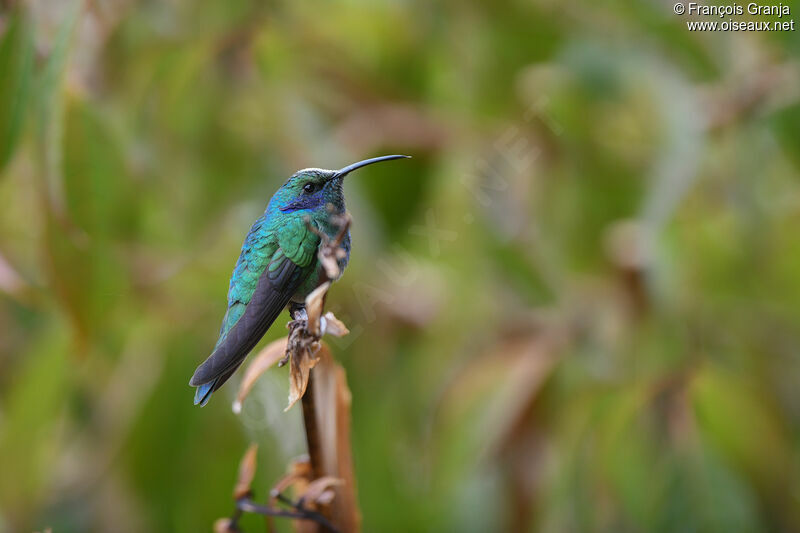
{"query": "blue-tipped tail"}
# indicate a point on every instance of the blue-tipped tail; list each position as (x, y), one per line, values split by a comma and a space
(204, 390)
(203, 393)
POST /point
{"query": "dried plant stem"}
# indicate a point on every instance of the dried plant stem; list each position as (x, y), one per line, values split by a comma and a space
(311, 425)
(312, 429)
(310, 413)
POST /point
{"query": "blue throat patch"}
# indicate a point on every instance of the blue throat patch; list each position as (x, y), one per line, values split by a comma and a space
(304, 202)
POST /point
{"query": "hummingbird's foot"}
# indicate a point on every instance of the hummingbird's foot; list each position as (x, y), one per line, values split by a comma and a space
(297, 310)
(297, 328)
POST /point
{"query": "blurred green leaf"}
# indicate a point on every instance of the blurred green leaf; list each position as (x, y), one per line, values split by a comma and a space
(787, 126)
(28, 435)
(50, 102)
(97, 189)
(759, 448)
(396, 192)
(16, 65)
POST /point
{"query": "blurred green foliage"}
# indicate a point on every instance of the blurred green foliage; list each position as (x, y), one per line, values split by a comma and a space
(576, 308)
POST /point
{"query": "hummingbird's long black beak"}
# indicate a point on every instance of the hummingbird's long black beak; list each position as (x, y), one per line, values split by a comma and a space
(349, 168)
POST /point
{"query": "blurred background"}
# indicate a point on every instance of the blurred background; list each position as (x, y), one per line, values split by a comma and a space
(577, 308)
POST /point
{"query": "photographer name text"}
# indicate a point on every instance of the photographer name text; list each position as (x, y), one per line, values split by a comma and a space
(779, 11)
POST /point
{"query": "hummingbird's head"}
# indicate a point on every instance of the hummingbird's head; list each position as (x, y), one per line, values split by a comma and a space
(314, 188)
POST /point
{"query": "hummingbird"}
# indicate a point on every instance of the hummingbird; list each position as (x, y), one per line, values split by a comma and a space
(278, 266)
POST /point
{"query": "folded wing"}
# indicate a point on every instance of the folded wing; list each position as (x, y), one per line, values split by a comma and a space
(288, 267)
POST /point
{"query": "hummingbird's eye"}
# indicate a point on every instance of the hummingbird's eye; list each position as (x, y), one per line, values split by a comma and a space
(308, 188)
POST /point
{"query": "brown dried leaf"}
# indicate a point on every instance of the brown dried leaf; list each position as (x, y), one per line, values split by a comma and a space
(247, 471)
(343, 221)
(332, 406)
(326, 497)
(267, 357)
(299, 474)
(223, 525)
(303, 344)
(330, 264)
(10, 281)
(317, 489)
(300, 368)
(314, 304)
(504, 382)
(334, 326)
(390, 124)
(419, 299)
(331, 251)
